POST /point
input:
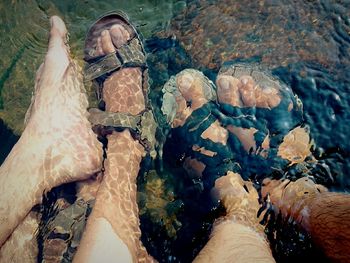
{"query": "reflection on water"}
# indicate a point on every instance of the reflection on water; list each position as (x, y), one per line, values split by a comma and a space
(304, 43)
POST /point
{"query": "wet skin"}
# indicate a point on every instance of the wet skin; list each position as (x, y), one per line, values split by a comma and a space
(103, 219)
(113, 231)
(241, 206)
(325, 215)
(114, 225)
(57, 145)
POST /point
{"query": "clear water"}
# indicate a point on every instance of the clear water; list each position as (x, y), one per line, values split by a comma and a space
(305, 43)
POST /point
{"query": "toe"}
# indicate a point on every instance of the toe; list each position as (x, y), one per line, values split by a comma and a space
(56, 59)
(58, 27)
(58, 33)
(99, 50)
(119, 35)
(184, 83)
(228, 92)
(106, 41)
(191, 88)
(247, 91)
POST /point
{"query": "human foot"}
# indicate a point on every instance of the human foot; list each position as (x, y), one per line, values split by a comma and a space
(123, 93)
(238, 235)
(189, 105)
(265, 113)
(197, 135)
(259, 118)
(57, 145)
(192, 114)
(57, 116)
(290, 198)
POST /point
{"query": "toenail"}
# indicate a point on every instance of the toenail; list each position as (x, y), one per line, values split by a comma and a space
(267, 90)
(244, 81)
(117, 26)
(118, 31)
(186, 82)
(224, 83)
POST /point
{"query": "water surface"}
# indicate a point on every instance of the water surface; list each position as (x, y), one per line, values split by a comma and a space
(304, 43)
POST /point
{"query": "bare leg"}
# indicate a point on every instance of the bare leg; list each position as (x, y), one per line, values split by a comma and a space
(237, 237)
(323, 214)
(112, 232)
(238, 92)
(22, 243)
(57, 145)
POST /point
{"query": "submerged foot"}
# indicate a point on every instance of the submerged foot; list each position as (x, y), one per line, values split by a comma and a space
(256, 122)
(57, 145)
(240, 200)
(275, 110)
(57, 120)
(256, 117)
(122, 92)
(57, 129)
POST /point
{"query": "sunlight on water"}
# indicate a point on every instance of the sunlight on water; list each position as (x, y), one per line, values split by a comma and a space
(306, 44)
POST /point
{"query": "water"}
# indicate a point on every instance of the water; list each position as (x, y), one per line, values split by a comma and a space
(24, 29)
(305, 43)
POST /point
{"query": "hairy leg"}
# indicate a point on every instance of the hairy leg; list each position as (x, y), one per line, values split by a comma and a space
(325, 215)
(238, 236)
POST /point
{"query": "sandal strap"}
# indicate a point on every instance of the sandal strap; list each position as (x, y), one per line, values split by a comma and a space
(143, 124)
(114, 119)
(129, 55)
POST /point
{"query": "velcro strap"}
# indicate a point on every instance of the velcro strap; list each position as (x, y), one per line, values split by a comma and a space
(114, 119)
(102, 66)
(130, 54)
(144, 124)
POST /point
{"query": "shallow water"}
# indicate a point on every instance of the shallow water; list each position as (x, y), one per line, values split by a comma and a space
(305, 43)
